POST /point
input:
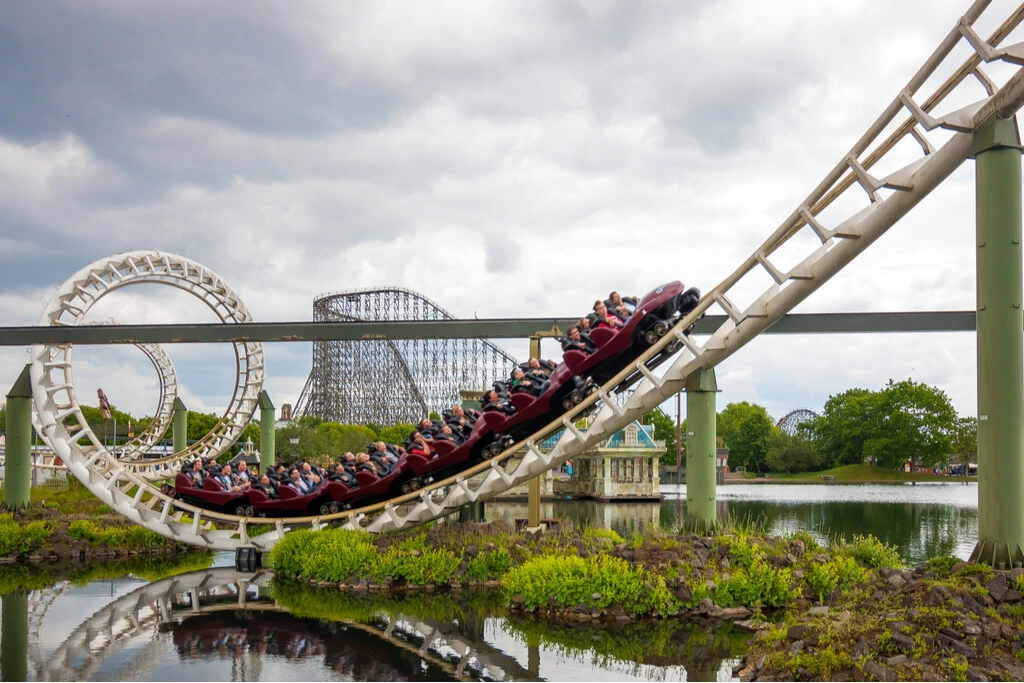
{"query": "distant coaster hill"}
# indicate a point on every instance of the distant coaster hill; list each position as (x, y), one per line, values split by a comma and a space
(388, 381)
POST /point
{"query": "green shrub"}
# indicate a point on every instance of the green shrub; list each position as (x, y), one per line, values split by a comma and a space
(326, 555)
(870, 551)
(759, 586)
(1018, 584)
(943, 566)
(822, 578)
(417, 567)
(21, 538)
(134, 537)
(597, 533)
(570, 581)
(492, 565)
(810, 542)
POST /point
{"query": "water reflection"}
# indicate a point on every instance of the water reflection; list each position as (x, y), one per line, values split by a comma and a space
(219, 624)
(922, 521)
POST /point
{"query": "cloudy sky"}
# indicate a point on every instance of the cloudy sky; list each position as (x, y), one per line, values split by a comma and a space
(504, 158)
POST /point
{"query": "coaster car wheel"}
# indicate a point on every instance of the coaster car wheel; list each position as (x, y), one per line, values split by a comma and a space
(250, 511)
(240, 511)
(567, 403)
(651, 337)
(325, 509)
(577, 396)
(333, 508)
(660, 328)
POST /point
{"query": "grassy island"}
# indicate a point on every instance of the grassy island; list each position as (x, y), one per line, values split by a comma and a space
(848, 611)
(69, 524)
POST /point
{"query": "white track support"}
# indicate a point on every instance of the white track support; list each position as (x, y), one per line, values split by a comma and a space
(746, 320)
(149, 437)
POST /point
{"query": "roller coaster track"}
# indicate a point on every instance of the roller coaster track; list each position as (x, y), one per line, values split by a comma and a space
(210, 591)
(136, 448)
(936, 143)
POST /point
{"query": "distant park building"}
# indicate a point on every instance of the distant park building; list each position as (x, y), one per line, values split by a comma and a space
(622, 467)
(286, 412)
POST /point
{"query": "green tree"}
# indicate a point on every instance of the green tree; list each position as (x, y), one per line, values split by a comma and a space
(849, 420)
(964, 448)
(791, 453)
(664, 428)
(396, 434)
(916, 424)
(3, 417)
(745, 429)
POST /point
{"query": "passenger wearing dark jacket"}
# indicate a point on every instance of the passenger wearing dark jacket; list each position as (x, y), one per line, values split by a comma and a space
(493, 401)
(575, 339)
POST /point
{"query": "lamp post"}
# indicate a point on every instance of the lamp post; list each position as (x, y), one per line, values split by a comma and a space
(294, 441)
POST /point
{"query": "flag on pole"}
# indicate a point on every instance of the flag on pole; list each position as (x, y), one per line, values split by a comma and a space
(104, 404)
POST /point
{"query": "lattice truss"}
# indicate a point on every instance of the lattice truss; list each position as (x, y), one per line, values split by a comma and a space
(792, 420)
(390, 381)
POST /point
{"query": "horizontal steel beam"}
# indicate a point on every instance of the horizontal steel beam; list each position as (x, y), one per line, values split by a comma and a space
(511, 328)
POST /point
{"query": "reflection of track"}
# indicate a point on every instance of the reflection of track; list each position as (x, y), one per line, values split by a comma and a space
(915, 157)
(177, 598)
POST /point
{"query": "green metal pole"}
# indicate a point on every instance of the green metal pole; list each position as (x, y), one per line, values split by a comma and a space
(701, 487)
(179, 428)
(267, 420)
(18, 463)
(14, 640)
(1000, 345)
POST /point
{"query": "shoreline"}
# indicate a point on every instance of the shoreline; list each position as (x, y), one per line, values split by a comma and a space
(846, 612)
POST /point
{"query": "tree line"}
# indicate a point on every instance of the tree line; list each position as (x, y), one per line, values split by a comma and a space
(905, 421)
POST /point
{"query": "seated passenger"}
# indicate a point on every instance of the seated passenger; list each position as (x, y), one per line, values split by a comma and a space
(348, 459)
(242, 475)
(493, 401)
(382, 452)
(227, 480)
(297, 482)
(267, 486)
(342, 475)
(602, 318)
(584, 323)
(310, 475)
(196, 474)
(365, 463)
(574, 339)
(539, 368)
(418, 445)
(426, 427)
(462, 420)
(623, 306)
(450, 434)
(521, 383)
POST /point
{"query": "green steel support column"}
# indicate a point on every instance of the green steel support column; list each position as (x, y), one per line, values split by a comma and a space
(267, 420)
(18, 465)
(701, 487)
(1000, 345)
(179, 427)
(14, 640)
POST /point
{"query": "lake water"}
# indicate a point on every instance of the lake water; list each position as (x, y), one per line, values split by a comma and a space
(217, 625)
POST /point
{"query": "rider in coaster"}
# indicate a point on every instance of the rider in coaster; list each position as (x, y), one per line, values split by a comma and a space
(297, 482)
(242, 475)
(196, 474)
(493, 401)
(418, 445)
(340, 474)
(267, 486)
(462, 420)
(382, 451)
(227, 480)
(364, 462)
(521, 383)
(539, 368)
(451, 435)
(574, 339)
(605, 319)
(622, 306)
